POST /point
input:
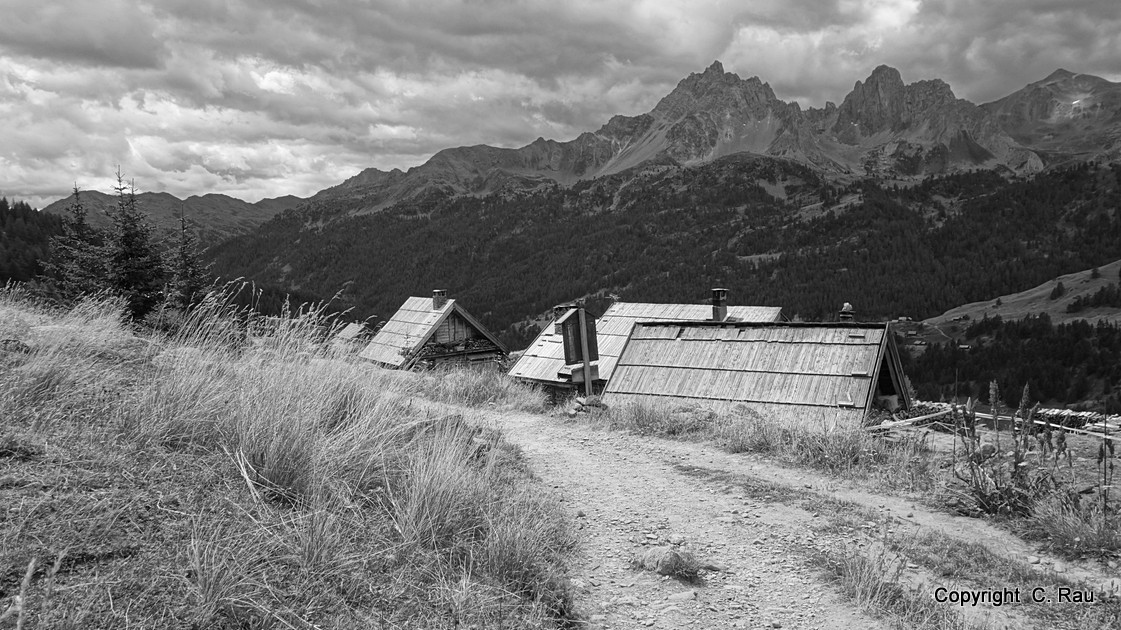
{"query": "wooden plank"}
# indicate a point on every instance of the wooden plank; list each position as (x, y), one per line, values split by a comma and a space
(1117, 438)
(907, 421)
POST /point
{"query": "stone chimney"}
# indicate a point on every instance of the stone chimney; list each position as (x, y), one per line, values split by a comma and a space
(846, 314)
(719, 305)
(439, 298)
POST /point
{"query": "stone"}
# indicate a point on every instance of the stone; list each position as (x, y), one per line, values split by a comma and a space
(1033, 559)
(683, 597)
(666, 560)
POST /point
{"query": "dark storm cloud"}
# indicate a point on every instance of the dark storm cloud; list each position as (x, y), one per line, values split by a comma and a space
(110, 33)
(267, 97)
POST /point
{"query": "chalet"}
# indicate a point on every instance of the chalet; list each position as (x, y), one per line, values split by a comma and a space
(543, 362)
(812, 374)
(431, 331)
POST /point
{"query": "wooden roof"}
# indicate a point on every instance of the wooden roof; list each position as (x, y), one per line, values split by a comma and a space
(350, 332)
(399, 340)
(796, 373)
(545, 356)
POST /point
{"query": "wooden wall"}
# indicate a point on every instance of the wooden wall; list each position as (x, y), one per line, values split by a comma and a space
(454, 328)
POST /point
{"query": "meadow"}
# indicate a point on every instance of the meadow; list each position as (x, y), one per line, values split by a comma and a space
(205, 477)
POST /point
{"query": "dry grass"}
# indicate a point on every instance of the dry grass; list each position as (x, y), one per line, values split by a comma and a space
(850, 451)
(479, 386)
(209, 478)
(874, 580)
(1076, 529)
(660, 419)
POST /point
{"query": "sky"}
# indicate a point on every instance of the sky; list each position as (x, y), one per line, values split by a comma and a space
(262, 98)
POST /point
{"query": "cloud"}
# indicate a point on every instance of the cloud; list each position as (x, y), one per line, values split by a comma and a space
(110, 32)
(261, 98)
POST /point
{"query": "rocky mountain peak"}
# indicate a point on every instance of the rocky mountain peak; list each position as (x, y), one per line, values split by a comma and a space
(882, 128)
(714, 91)
(716, 68)
(875, 105)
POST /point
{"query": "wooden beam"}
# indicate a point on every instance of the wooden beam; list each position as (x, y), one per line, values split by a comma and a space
(907, 421)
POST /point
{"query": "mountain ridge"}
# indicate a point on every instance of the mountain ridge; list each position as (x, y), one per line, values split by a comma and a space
(884, 128)
(214, 217)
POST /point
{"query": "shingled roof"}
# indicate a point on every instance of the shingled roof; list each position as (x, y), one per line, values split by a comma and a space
(400, 340)
(796, 373)
(545, 356)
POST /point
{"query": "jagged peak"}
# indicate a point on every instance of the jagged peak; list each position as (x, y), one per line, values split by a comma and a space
(716, 68)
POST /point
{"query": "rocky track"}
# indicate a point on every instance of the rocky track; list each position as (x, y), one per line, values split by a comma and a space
(629, 493)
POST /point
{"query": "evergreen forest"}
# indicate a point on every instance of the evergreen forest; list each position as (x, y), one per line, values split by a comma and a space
(670, 234)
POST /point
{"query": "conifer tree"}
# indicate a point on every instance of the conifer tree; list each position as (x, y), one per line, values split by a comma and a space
(77, 257)
(188, 276)
(136, 270)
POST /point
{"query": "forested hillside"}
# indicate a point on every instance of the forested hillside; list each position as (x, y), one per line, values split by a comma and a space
(770, 230)
(1066, 363)
(24, 235)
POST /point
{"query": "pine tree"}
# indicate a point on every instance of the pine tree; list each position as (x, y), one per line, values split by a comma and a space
(136, 270)
(77, 257)
(189, 277)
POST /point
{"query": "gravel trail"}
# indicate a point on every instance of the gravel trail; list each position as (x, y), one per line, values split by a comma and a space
(629, 493)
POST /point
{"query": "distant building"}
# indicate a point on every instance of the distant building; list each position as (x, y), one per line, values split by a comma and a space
(543, 361)
(431, 331)
(351, 337)
(810, 374)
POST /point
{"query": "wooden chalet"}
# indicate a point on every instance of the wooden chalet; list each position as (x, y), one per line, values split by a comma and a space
(431, 331)
(543, 362)
(811, 374)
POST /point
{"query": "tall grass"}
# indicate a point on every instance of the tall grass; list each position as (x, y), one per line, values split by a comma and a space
(1076, 528)
(343, 488)
(478, 386)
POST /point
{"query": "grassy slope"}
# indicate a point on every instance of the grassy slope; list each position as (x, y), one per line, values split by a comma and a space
(210, 481)
(1037, 300)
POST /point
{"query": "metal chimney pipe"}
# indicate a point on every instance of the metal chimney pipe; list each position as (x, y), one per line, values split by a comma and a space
(719, 305)
(439, 298)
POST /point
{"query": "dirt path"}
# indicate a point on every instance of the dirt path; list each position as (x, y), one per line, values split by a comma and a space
(637, 491)
(633, 493)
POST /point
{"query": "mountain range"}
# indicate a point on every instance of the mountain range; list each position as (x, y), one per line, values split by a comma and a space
(883, 128)
(214, 217)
